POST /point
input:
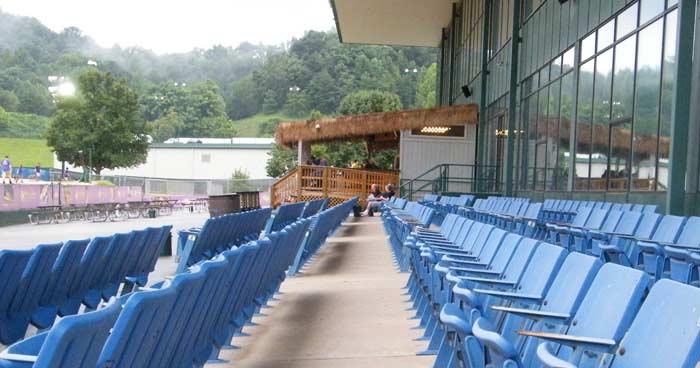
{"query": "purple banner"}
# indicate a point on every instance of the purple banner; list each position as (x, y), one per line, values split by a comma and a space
(28, 196)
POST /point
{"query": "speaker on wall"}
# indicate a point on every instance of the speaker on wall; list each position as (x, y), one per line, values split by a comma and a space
(467, 91)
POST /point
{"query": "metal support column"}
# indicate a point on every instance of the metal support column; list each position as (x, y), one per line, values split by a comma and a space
(680, 118)
(513, 96)
(483, 101)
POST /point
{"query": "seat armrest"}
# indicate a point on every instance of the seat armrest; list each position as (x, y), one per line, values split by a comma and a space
(534, 314)
(594, 343)
(483, 330)
(490, 281)
(516, 297)
(18, 357)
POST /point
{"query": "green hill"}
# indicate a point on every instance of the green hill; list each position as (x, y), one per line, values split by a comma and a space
(27, 152)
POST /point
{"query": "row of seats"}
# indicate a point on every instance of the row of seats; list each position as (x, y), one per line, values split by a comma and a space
(448, 204)
(51, 280)
(400, 217)
(565, 210)
(182, 322)
(663, 246)
(322, 226)
(219, 234)
(490, 297)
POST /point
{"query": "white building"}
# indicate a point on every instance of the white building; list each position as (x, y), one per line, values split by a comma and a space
(200, 158)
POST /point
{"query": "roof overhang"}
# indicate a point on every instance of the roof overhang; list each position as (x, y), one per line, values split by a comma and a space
(373, 125)
(392, 22)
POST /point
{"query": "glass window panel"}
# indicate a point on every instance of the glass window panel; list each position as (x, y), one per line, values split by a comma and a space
(565, 118)
(672, 2)
(531, 140)
(650, 9)
(583, 125)
(606, 35)
(588, 46)
(552, 135)
(568, 60)
(623, 79)
(647, 108)
(601, 119)
(618, 170)
(627, 21)
(667, 84)
(541, 143)
(555, 69)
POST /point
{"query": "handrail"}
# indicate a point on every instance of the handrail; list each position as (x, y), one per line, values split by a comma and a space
(442, 180)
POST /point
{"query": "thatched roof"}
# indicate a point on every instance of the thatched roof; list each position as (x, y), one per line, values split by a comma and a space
(360, 126)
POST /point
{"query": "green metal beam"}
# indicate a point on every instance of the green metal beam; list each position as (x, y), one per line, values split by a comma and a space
(513, 96)
(680, 121)
(483, 132)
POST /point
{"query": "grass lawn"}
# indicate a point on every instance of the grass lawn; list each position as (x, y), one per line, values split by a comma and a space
(248, 127)
(26, 152)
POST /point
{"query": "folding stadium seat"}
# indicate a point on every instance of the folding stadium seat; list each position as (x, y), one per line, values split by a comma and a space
(554, 229)
(619, 246)
(561, 301)
(584, 237)
(587, 337)
(647, 253)
(677, 262)
(15, 316)
(115, 252)
(148, 258)
(526, 223)
(12, 266)
(476, 296)
(137, 330)
(91, 262)
(74, 342)
(55, 292)
(665, 332)
(566, 233)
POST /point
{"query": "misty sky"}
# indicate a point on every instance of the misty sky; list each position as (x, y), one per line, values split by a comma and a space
(177, 25)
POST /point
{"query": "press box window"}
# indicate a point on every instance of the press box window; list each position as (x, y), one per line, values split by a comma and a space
(438, 131)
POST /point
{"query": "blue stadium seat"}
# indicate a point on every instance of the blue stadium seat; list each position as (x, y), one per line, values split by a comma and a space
(34, 278)
(74, 342)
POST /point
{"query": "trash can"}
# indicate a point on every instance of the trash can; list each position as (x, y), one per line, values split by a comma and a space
(222, 204)
(152, 213)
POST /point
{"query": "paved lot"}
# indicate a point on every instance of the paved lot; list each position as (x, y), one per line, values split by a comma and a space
(345, 310)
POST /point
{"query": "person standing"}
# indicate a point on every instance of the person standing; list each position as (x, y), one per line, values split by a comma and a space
(37, 171)
(6, 169)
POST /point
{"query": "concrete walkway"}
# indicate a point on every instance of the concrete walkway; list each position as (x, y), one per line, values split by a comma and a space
(344, 311)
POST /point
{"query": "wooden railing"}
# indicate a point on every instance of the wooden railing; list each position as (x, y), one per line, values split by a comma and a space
(310, 182)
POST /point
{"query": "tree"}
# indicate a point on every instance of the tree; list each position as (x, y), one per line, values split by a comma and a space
(244, 100)
(267, 128)
(425, 92)
(4, 119)
(363, 102)
(280, 161)
(8, 100)
(167, 126)
(297, 104)
(214, 127)
(101, 126)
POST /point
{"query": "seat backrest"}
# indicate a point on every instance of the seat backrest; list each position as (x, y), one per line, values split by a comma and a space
(610, 305)
(135, 333)
(582, 215)
(493, 242)
(505, 252)
(666, 332)
(520, 260)
(668, 229)
(12, 265)
(690, 235)
(35, 277)
(64, 271)
(90, 264)
(596, 219)
(647, 225)
(649, 208)
(573, 280)
(533, 210)
(611, 221)
(76, 341)
(628, 223)
(543, 267)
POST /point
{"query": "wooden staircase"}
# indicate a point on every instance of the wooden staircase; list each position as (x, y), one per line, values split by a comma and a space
(304, 183)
